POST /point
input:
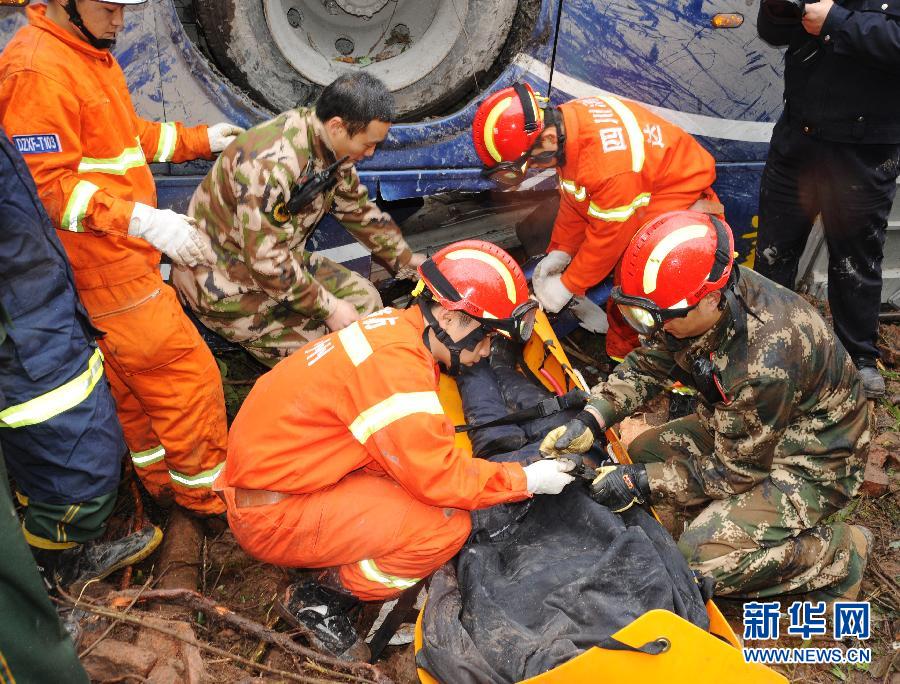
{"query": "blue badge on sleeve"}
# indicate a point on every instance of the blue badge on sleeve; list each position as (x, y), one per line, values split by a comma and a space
(40, 143)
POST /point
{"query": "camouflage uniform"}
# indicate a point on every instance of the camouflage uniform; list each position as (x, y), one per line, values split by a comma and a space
(769, 466)
(266, 291)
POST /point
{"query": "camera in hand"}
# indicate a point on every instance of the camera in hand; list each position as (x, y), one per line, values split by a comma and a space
(784, 11)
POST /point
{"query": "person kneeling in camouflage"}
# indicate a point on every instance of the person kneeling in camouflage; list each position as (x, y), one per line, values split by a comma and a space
(266, 291)
(781, 427)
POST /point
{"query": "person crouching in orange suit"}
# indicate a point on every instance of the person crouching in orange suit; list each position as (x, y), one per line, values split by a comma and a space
(65, 105)
(619, 165)
(341, 456)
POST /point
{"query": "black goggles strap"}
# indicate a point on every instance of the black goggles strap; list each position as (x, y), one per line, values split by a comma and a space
(439, 282)
(723, 254)
(528, 107)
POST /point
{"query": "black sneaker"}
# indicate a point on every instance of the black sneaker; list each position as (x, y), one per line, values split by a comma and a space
(97, 559)
(327, 614)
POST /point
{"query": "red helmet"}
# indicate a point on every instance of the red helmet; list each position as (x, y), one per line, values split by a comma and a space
(672, 262)
(506, 125)
(484, 281)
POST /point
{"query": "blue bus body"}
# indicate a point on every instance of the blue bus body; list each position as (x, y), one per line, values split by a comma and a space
(721, 85)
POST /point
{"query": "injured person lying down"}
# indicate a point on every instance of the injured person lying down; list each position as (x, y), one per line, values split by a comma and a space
(540, 581)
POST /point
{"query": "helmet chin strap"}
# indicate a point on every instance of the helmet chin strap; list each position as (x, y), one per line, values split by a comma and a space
(468, 343)
(553, 117)
(75, 18)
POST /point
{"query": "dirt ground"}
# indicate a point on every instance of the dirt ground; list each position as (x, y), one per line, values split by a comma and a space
(231, 579)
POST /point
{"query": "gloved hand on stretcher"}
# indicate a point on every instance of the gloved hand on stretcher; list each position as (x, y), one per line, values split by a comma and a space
(619, 487)
(548, 476)
(575, 437)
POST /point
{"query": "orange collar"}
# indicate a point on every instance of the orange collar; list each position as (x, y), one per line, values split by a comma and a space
(37, 17)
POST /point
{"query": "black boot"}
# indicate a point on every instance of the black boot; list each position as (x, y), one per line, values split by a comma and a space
(96, 559)
(328, 613)
(872, 381)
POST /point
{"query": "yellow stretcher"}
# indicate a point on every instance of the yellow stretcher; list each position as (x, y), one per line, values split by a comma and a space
(693, 656)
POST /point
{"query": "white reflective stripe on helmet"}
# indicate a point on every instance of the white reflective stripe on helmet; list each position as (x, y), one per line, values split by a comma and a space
(355, 343)
(392, 409)
(142, 459)
(373, 574)
(491, 261)
(662, 250)
(77, 206)
(201, 479)
(131, 158)
(489, 124)
(619, 214)
(56, 401)
(168, 140)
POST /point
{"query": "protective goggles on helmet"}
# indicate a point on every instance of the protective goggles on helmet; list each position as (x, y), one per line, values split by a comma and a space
(643, 314)
(519, 326)
(512, 173)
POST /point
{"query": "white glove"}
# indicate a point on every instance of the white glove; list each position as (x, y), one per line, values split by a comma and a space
(171, 233)
(221, 135)
(592, 317)
(548, 476)
(551, 292)
(555, 262)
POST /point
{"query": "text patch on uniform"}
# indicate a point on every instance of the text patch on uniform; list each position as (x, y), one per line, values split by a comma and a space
(39, 143)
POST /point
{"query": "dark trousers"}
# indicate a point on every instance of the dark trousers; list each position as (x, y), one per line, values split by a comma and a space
(853, 187)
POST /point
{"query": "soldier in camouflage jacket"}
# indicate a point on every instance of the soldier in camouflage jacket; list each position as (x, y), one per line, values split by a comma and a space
(779, 436)
(266, 291)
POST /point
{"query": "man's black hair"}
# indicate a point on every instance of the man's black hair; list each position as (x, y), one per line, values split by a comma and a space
(358, 99)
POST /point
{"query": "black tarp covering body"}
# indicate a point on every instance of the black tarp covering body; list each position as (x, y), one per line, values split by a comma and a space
(543, 580)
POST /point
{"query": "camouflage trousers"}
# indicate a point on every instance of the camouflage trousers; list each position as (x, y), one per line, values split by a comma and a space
(277, 333)
(756, 544)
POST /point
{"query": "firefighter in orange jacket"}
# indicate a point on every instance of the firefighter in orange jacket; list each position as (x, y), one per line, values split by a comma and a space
(341, 457)
(65, 105)
(619, 165)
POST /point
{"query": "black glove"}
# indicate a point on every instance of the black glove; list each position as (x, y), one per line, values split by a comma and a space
(619, 487)
(574, 399)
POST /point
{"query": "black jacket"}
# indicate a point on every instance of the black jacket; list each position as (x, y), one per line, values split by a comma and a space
(843, 85)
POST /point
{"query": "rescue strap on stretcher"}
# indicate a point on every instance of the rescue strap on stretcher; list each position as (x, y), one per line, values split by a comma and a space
(573, 399)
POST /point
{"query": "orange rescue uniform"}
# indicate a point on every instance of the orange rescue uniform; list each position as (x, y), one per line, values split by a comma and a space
(623, 166)
(67, 108)
(350, 430)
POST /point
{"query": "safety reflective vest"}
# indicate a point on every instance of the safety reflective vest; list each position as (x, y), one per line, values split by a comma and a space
(622, 164)
(363, 397)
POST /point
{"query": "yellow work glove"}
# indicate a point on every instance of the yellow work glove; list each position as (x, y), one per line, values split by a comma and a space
(575, 437)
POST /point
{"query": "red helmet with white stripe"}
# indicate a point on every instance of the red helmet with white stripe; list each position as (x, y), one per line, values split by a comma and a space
(672, 262)
(484, 281)
(506, 125)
